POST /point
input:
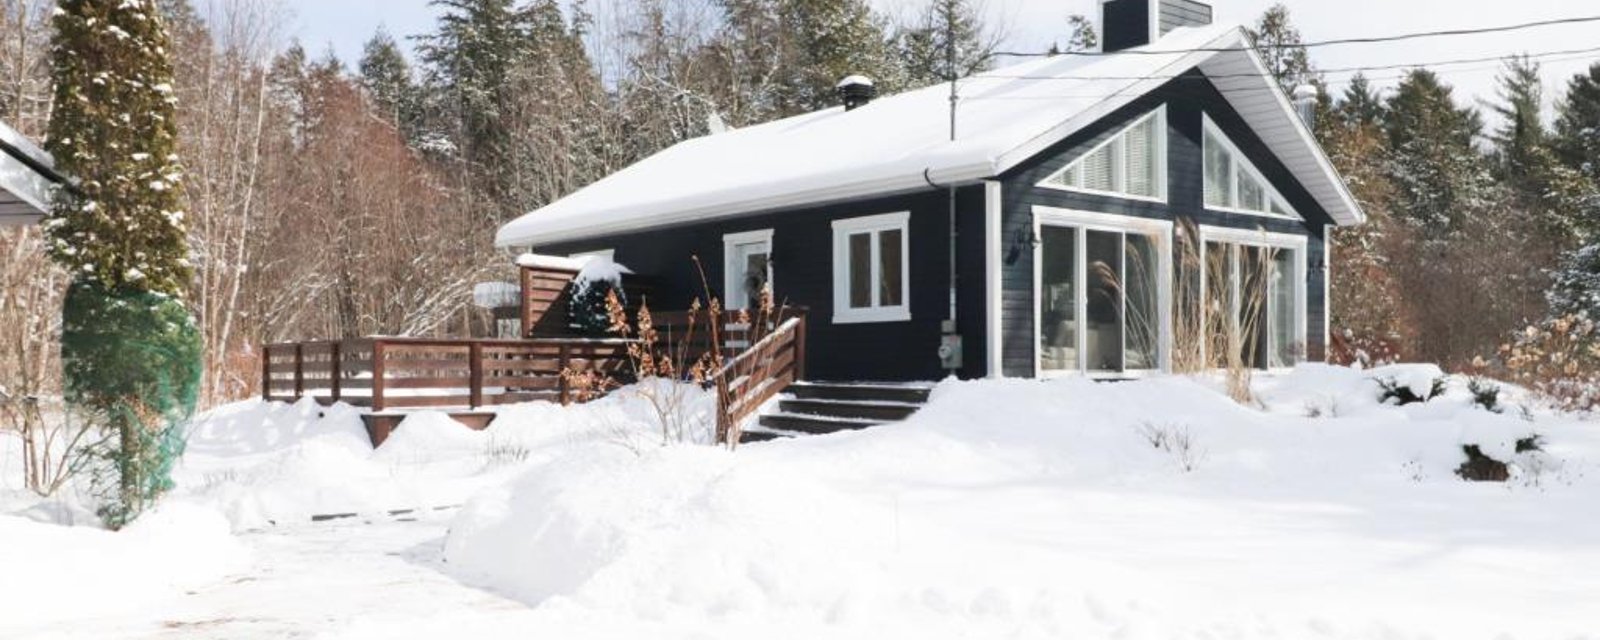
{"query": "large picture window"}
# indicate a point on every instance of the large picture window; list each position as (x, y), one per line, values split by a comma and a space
(1254, 298)
(1131, 163)
(1232, 183)
(1103, 291)
(870, 264)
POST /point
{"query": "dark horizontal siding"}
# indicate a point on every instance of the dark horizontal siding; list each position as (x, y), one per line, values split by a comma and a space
(1181, 13)
(803, 276)
(1186, 99)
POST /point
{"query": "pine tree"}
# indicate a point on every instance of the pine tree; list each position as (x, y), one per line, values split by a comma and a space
(1080, 36)
(386, 77)
(1439, 175)
(1361, 105)
(1577, 130)
(925, 45)
(130, 350)
(1546, 192)
(1278, 41)
(830, 39)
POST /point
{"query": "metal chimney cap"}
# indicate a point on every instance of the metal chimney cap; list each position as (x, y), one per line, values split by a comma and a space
(1305, 92)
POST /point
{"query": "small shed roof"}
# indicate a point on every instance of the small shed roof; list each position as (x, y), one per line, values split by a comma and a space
(27, 174)
(899, 143)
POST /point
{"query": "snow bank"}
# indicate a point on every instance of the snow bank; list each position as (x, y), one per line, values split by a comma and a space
(53, 572)
(266, 464)
(1151, 509)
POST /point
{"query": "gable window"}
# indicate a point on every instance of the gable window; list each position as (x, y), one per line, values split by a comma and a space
(1232, 183)
(870, 265)
(1132, 164)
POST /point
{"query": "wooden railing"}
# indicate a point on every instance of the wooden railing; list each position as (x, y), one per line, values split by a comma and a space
(756, 374)
(404, 373)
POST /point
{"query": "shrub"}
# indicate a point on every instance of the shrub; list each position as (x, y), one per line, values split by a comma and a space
(1485, 394)
(1558, 359)
(1392, 392)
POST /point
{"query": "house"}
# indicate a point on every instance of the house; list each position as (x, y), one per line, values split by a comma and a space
(27, 174)
(1039, 232)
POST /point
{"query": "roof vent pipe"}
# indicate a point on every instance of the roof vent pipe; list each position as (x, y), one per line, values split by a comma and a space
(1305, 104)
(856, 91)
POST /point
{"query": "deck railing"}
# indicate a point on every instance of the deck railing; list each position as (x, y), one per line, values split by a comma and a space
(756, 374)
(406, 373)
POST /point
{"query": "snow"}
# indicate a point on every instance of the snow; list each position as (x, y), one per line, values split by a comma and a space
(542, 261)
(1007, 508)
(901, 142)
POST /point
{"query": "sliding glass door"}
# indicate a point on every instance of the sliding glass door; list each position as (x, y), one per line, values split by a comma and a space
(1100, 293)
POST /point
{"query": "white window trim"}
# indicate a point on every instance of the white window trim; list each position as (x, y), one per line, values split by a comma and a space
(730, 286)
(1240, 160)
(1160, 115)
(1272, 240)
(842, 230)
(1090, 221)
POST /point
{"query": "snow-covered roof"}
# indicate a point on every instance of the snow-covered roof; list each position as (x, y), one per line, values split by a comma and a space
(26, 175)
(898, 143)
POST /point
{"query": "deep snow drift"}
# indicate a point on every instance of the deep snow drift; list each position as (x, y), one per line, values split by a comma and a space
(1151, 509)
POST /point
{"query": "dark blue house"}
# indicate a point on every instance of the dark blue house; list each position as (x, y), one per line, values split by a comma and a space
(1046, 234)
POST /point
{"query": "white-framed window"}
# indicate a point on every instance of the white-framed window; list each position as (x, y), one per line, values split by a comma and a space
(747, 267)
(1232, 183)
(1102, 292)
(1262, 295)
(871, 269)
(1131, 164)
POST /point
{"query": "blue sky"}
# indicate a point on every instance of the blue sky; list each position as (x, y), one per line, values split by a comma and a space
(1032, 24)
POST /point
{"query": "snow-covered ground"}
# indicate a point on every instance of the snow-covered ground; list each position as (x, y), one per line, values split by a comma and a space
(1151, 509)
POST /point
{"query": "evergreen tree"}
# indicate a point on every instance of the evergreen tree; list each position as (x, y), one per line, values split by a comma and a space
(925, 45)
(830, 39)
(1542, 188)
(386, 77)
(1080, 36)
(130, 351)
(1278, 41)
(1361, 105)
(1577, 130)
(1440, 177)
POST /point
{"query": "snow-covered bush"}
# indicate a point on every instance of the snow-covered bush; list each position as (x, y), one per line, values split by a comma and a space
(1575, 285)
(599, 279)
(1403, 392)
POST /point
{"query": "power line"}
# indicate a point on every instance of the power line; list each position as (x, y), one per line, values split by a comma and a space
(1357, 69)
(1320, 43)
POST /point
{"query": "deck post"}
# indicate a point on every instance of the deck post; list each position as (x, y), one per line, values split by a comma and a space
(562, 362)
(377, 375)
(266, 372)
(299, 370)
(800, 349)
(336, 368)
(475, 374)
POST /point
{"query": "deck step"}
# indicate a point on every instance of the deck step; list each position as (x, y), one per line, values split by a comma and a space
(850, 409)
(812, 424)
(911, 393)
(747, 437)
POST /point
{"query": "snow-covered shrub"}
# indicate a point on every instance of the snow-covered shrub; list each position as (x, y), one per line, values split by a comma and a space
(1558, 358)
(599, 279)
(1485, 394)
(1575, 286)
(1176, 440)
(1398, 392)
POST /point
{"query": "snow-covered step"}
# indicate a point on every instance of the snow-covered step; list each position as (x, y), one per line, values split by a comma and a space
(811, 424)
(871, 391)
(877, 410)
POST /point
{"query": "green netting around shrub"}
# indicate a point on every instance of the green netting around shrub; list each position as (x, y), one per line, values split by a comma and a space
(131, 362)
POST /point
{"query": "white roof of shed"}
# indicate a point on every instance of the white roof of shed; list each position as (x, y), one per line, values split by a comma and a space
(26, 176)
(897, 143)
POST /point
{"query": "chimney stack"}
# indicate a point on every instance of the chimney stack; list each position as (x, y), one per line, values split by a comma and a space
(1125, 24)
(1305, 104)
(856, 91)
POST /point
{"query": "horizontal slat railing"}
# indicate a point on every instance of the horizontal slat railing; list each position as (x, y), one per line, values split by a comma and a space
(757, 374)
(404, 373)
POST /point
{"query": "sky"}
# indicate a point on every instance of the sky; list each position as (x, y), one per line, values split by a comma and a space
(1034, 24)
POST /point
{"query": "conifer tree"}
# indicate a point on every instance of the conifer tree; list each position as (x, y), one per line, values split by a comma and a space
(1546, 192)
(130, 350)
(1081, 36)
(1361, 105)
(831, 39)
(1577, 129)
(1439, 176)
(1278, 41)
(386, 77)
(924, 45)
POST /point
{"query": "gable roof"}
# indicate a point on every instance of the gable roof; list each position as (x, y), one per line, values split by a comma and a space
(26, 175)
(898, 143)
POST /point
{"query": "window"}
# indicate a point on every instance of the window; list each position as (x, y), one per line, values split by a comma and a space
(1131, 164)
(1103, 293)
(1255, 297)
(1232, 183)
(870, 265)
